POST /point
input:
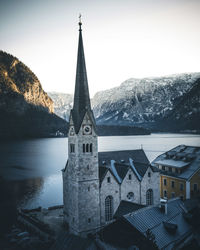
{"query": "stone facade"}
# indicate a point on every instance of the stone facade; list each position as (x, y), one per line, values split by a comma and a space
(81, 182)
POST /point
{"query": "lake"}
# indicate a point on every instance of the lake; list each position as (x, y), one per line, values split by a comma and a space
(31, 169)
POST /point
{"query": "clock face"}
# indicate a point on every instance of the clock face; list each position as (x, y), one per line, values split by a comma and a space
(71, 131)
(87, 129)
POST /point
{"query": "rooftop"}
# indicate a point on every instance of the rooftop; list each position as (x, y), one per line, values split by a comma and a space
(185, 158)
(168, 228)
(119, 162)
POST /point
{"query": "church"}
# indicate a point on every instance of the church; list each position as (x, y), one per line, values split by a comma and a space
(94, 183)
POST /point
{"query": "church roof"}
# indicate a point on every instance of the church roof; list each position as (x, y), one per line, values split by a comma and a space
(137, 155)
(81, 95)
(119, 162)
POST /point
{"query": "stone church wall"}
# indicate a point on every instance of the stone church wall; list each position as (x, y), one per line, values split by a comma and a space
(107, 189)
(128, 186)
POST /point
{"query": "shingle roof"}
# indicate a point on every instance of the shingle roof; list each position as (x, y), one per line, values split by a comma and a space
(126, 207)
(119, 162)
(184, 157)
(123, 156)
(152, 218)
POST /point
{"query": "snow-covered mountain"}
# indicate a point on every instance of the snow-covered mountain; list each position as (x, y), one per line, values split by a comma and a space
(136, 102)
(62, 104)
(139, 101)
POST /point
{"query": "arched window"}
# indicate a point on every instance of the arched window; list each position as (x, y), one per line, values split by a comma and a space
(109, 208)
(149, 197)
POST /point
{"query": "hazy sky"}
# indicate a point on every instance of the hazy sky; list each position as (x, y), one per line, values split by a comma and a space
(122, 39)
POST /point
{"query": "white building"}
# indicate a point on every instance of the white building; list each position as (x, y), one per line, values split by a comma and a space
(94, 183)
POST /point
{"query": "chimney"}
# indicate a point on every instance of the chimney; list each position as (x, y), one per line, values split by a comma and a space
(163, 205)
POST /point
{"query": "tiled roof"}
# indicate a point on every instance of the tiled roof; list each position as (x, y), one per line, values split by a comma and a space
(126, 207)
(119, 162)
(187, 158)
(152, 218)
(123, 156)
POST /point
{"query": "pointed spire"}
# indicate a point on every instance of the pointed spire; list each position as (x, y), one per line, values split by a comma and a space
(81, 95)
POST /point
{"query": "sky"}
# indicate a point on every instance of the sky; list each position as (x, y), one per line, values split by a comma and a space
(122, 39)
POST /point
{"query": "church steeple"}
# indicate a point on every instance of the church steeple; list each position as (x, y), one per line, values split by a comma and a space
(81, 95)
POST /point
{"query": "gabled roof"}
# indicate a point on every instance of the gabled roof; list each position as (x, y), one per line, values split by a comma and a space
(186, 158)
(119, 162)
(152, 218)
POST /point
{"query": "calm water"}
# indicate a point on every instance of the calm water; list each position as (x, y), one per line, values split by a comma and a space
(31, 169)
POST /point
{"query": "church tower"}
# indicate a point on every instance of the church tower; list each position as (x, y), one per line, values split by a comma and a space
(81, 175)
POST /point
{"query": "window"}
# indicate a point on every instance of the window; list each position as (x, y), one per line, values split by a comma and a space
(108, 179)
(130, 196)
(163, 167)
(87, 148)
(170, 169)
(165, 193)
(149, 197)
(172, 184)
(149, 174)
(89, 220)
(129, 176)
(176, 170)
(195, 187)
(108, 208)
(72, 148)
(89, 188)
(165, 182)
(172, 195)
(181, 186)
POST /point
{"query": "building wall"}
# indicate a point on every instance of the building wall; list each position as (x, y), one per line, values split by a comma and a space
(106, 189)
(195, 180)
(152, 182)
(176, 190)
(128, 186)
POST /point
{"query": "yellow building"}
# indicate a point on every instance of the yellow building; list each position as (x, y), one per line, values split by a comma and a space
(179, 172)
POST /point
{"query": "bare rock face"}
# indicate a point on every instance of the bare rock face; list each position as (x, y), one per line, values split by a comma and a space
(25, 108)
(18, 82)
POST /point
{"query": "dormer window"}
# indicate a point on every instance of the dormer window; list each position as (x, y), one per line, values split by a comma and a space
(108, 179)
(129, 176)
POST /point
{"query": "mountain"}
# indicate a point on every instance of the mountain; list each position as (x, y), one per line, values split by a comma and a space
(25, 109)
(186, 112)
(149, 102)
(142, 102)
(62, 104)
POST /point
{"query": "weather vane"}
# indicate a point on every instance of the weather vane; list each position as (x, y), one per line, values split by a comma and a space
(79, 18)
